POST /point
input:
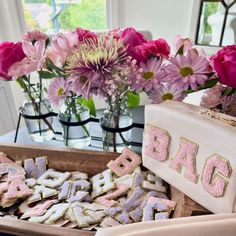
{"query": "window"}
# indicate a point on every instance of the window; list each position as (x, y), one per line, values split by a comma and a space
(52, 16)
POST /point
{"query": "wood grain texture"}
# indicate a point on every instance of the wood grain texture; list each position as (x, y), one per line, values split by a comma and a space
(185, 205)
(67, 159)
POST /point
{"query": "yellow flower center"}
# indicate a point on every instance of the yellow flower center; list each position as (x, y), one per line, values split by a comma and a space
(148, 75)
(60, 92)
(186, 71)
(167, 96)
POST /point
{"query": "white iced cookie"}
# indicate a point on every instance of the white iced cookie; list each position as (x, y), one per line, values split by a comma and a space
(102, 183)
(91, 206)
(82, 219)
(52, 215)
(52, 178)
(31, 182)
(41, 192)
(154, 183)
(97, 215)
(76, 175)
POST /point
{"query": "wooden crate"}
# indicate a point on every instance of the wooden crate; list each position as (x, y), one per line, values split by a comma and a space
(68, 159)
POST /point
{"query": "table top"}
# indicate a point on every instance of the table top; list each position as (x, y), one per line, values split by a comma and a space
(95, 130)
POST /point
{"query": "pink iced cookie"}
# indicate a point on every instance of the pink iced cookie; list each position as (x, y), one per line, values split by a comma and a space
(35, 168)
(125, 163)
(157, 143)
(37, 210)
(4, 187)
(4, 158)
(155, 205)
(212, 181)
(108, 199)
(186, 157)
(18, 189)
(13, 170)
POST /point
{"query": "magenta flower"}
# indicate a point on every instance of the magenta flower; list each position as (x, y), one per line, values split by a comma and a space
(32, 62)
(58, 91)
(84, 35)
(168, 92)
(190, 70)
(10, 53)
(152, 74)
(153, 48)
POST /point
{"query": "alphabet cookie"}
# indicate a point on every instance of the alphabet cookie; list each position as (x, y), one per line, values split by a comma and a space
(125, 163)
(35, 168)
(154, 183)
(52, 178)
(102, 183)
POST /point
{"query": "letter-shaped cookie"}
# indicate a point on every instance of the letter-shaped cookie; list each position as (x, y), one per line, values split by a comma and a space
(52, 178)
(102, 183)
(52, 215)
(157, 205)
(157, 143)
(154, 183)
(41, 192)
(215, 167)
(35, 168)
(107, 200)
(125, 163)
(18, 189)
(186, 157)
(77, 191)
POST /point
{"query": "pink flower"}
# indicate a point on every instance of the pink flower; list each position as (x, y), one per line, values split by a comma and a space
(229, 105)
(83, 34)
(168, 92)
(131, 38)
(58, 91)
(10, 53)
(212, 97)
(86, 84)
(62, 46)
(153, 48)
(190, 70)
(32, 62)
(224, 64)
(182, 45)
(35, 35)
(152, 74)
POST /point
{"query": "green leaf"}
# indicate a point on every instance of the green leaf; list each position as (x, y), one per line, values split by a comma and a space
(228, 91)
(208, 84)
(46, 74)
(180, 51)
(90, 105)
(54, 68)
(133, 99)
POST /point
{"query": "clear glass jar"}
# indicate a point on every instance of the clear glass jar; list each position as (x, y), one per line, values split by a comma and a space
(75, 136)
(116, 116)
(41, 129)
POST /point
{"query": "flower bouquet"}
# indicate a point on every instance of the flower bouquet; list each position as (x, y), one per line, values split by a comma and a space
(24, 62)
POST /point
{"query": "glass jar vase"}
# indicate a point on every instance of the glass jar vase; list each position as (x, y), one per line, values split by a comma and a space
(38, 124)
(75, 135)
(116, 122)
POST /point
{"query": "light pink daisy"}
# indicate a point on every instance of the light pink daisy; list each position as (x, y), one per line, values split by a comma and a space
(190, 70)
(168, 92)
(58, 91)
(152, 74)
(35, 35)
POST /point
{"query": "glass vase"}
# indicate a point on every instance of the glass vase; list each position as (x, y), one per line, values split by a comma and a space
(39, 127)
(74, 135)
(116, 122)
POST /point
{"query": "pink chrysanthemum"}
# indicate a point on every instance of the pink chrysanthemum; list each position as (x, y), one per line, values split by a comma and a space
(58, 91)
(168, 92)
(212, 97)
(229, 105)
(190, 70)
(152, 74)
(86, 84)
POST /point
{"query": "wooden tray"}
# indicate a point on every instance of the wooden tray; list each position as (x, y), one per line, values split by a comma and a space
(68, 159)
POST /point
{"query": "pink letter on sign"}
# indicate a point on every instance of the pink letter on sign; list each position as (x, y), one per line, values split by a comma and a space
(157, 143)
(186, 157)
(211, 179)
